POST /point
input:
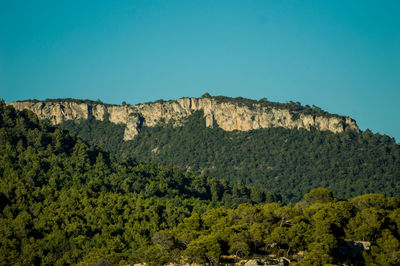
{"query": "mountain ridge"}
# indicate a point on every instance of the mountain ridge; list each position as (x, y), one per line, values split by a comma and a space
(63, 202)
(227, 113)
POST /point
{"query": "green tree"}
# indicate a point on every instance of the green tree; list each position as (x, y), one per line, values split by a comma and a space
(385, 252)
(205, 249)
(318, 195)
(321, 251)
(366, 225)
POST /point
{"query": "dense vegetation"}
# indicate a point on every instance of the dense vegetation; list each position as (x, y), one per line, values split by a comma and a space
(63, 202)
(324, 227)
(73, 100)
(282, 161)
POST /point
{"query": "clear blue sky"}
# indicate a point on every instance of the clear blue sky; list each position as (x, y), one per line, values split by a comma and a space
(343, 56)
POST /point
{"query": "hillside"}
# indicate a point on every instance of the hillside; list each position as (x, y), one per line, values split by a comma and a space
(287, 160)
(63, 202)
(226, 113)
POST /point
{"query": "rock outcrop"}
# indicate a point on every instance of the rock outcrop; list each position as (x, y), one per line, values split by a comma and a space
(228, 115)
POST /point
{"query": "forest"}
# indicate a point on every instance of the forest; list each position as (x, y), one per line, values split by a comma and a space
(285, 162)
(65, 202)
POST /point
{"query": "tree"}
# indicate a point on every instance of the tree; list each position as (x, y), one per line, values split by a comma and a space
(318, 195)
(378, 201)
(205, 249)
(385, 252)
(366, 225)
(321, 251)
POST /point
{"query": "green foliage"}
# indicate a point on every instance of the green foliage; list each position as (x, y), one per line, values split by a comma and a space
(378, 201)
(285, 163)
(386, 252)
(321, 251)
(295, 108)
(204, 249)
(367, 224)
(320, 229)
(321, 195)
(79, 101)
(65, 202)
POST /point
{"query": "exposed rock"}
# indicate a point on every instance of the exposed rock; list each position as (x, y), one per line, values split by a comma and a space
(366, 245)
(253, 263)
(227, 115)
(134, 123)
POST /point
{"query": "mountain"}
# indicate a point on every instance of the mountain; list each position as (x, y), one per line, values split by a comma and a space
(64, 202)
(286, 149)
(227, 113)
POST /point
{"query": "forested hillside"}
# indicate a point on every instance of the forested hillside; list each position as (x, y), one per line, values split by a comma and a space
(63, 202)
(288, 162)
(320, 230)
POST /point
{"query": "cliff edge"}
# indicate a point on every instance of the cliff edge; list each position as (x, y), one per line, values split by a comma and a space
(227, 113)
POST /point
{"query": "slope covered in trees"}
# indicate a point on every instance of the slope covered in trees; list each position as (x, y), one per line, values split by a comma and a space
(319, 230)
(64, 202)
(282, 161)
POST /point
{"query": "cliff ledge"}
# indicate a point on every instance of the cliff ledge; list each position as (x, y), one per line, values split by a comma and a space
(228, 114)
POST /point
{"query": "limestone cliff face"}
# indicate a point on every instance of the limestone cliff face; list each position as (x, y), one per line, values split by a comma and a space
(227, 115)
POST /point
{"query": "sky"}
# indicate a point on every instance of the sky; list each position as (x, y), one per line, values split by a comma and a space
(342, 56)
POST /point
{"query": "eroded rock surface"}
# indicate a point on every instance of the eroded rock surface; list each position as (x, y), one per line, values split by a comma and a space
(227, 115)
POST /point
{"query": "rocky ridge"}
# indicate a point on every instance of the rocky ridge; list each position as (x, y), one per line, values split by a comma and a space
(228, 115)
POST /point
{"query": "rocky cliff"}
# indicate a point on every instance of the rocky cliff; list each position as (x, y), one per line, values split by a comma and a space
(228, 115)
